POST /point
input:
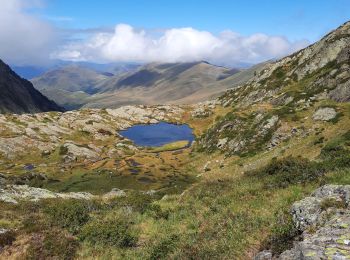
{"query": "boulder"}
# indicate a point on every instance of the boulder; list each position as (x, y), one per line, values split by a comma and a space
(306, 212)
(14, 193)
(325, 226)
(75, 151)
(264, 255)
(324, 114)
(114, 193)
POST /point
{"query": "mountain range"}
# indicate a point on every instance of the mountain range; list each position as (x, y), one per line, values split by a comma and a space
(75, 86)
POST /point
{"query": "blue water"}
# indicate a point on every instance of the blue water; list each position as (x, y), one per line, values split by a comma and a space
(158, 134)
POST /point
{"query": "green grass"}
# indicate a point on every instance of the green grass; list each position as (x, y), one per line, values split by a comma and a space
(289, 171)
(217, 218)
(169, 147)
(226, 213)
(105, 180)
(69, 214)
(114, 230)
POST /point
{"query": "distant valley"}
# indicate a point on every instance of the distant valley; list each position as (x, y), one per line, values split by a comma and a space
(75, 86)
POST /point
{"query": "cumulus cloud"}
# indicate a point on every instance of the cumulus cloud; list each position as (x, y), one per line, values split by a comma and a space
(25, 39)
(28, 39)
(177, 45)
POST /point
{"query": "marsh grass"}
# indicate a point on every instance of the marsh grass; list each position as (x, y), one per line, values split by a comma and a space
(169, 147)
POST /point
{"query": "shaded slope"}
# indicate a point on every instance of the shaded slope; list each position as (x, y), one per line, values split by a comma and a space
(18, 95)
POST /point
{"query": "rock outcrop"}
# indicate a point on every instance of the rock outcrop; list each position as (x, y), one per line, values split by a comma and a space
(45, 132)
(325, 114)
(15, 193)
(326, 62)
(278, 92)
(324, 220)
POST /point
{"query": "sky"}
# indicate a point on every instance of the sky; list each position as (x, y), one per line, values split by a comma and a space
(224, 32)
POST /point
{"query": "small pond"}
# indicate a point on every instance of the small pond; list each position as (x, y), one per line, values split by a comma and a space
(158, 134)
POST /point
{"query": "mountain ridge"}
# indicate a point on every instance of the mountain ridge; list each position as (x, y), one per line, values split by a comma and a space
(153, 83)
(19, 96)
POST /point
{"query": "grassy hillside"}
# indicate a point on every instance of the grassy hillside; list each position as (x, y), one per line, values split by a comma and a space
(234, 208)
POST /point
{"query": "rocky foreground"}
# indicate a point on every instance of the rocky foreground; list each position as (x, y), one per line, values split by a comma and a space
(48, 149)
(323, 219)
(45, 131)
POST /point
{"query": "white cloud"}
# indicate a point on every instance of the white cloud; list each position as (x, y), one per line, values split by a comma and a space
(24, 39)
(28, 39)
(178, 44)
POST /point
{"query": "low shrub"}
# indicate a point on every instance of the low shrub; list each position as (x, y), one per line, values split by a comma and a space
(116, 230)
(7, 238)
(63, 150)
(53, 244)
(289, 170)
(336, 153)
(70, 214)
(319, 140)
(164, 247)
(104, 132)
(31, 223)
(336, 118)
(137, 201)
(157, 212)
(283, 234)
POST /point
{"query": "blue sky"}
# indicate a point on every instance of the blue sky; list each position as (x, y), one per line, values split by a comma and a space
(295, 19)
(222, 32)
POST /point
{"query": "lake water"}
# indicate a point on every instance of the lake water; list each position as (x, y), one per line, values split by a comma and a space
(158, 134)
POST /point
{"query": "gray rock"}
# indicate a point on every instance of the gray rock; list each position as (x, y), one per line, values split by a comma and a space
(306, 212)
(341, 93)
(75, 151)
(46, 153)
(3, 231)
(206, 167)
(292, 254)
(329, 237)
(201, 111)
(222, 142)
(324, 114)
(263, 255)
(332, 191)
(114, 193)
(14, 193)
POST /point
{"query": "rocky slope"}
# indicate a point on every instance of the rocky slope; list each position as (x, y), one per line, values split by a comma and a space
(281, 91)
(63, 145)
(70, 85)
(19, 96)
(71, 78)
(44, 131)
